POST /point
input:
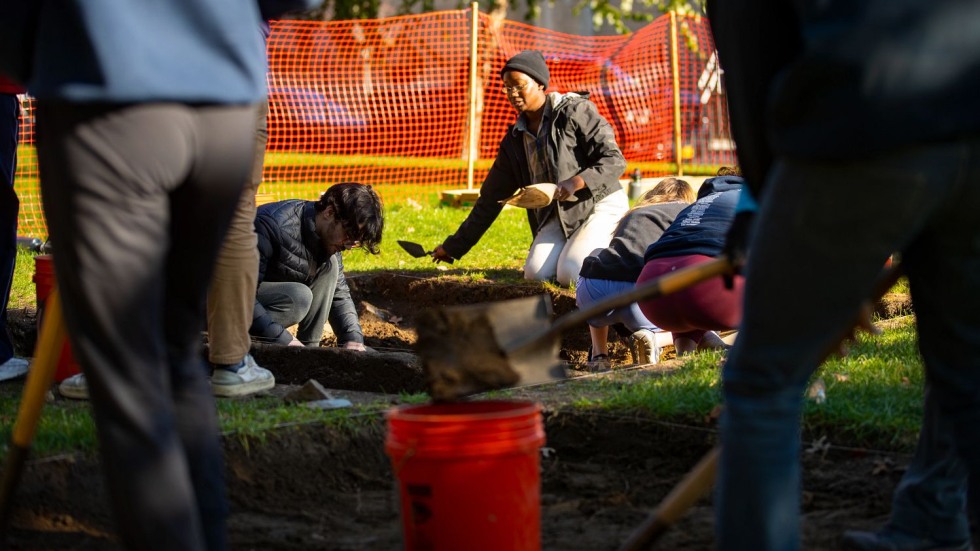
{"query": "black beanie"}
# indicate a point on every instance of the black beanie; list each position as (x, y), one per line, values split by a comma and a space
(531, 63)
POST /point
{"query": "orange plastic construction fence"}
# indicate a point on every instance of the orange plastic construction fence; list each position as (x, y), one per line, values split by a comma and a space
(387, 102)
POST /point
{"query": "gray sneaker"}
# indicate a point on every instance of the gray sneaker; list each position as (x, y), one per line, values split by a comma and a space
(643, 346)
(247, 379)
(13, 368)
(74, 387)
(598, 364)
(893, 540)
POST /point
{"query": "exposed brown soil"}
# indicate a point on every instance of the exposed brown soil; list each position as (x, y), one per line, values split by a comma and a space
(316, 487)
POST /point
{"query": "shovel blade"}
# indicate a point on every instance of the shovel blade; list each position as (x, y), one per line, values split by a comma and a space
(470, 349)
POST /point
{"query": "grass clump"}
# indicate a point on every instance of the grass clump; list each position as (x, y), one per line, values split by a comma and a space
(22, 293)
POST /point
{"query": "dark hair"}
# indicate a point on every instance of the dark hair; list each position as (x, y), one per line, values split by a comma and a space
(359, 210)
(729, 171)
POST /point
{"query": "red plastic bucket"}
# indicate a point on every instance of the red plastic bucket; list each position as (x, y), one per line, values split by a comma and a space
(469, 474)
(44, 283)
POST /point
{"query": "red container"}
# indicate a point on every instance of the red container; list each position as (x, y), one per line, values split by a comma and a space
(44, 282)
(469, 475)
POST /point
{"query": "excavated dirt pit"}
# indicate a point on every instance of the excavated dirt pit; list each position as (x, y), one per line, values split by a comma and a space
(316, 487)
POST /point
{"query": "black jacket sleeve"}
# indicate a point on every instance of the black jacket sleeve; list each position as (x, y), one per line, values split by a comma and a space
(756, 40)
(501, 182)
(604, 162)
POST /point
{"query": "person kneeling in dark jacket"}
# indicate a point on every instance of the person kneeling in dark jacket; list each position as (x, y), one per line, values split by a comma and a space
(301, 267)
(697, 235)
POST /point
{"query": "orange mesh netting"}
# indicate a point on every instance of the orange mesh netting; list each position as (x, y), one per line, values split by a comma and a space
(387, 102)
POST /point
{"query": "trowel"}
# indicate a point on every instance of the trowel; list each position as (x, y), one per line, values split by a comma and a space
(416, 250)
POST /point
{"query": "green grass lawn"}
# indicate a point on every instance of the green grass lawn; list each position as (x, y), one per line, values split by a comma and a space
(873, 395)
(873, 399)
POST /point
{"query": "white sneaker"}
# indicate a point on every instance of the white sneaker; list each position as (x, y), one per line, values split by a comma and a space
(13, 368)
(74, 387)
(711, 341)
(248, 379)
(643, 345)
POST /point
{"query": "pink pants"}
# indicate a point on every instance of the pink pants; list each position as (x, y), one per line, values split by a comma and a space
(689, 313)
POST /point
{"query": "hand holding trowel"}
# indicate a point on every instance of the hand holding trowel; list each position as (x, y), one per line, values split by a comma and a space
(416, 250)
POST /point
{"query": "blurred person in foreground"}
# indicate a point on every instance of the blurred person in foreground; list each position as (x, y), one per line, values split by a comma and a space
(231, 295)
(145, 135)
(614, 270)
(10, 366)
(301, 266)
(858, 131)
(560, 139)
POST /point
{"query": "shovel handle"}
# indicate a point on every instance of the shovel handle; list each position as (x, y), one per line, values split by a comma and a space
(39, 379)
(699, 480)
(661, 286)
(695, 484)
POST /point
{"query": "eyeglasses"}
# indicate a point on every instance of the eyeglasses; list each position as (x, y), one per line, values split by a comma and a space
(346, 242)
(516, 89)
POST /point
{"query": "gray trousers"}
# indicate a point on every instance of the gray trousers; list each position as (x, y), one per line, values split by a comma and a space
(138, 198)
(289, 303)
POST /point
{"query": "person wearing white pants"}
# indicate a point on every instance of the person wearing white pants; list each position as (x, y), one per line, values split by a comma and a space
(554, 256)
(557, 138)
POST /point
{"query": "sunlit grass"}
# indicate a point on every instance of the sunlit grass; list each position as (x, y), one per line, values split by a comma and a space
(873, 399)
(873, 395)
(22, 293)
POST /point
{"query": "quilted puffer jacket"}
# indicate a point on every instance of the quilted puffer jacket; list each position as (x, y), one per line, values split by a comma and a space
(289, 250)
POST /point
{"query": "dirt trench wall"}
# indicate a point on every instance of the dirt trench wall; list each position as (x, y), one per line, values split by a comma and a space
(321, 488)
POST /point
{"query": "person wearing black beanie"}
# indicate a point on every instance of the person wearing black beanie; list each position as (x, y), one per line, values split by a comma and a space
(531, 63)
(557, 138)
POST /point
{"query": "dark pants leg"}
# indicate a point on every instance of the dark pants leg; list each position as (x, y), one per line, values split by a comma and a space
(9, 206)
(930, 501)
(943, 266)
(138, 198)
(823, 234)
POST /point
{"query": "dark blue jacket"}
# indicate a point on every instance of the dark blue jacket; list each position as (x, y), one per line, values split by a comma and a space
(702, 227)
(290, 250)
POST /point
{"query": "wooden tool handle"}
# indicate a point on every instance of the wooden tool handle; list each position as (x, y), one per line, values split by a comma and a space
(39, 378)
(695, 484)
(699, 480)
(663, 285)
